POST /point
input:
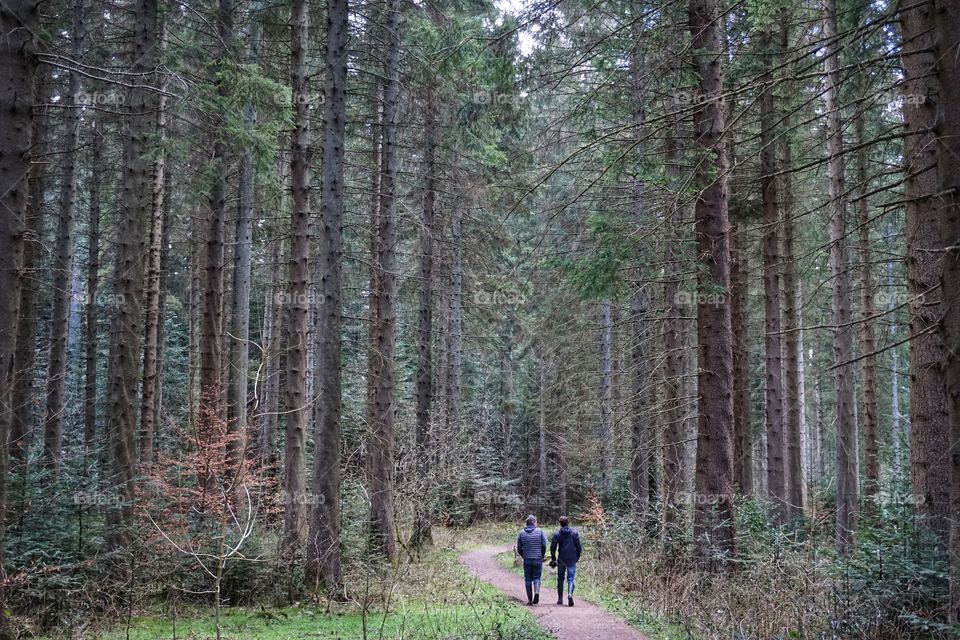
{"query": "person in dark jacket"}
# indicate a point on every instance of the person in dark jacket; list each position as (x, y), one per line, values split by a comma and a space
(565, 550)
(532, 547)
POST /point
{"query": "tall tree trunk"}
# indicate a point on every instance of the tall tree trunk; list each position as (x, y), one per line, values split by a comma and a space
(323, 551)
(896, 423)
(63, 266)
(739, 286)
(424, 377)
(126, 328)
(543, 405)
(19, 20)
(773, 339)
(928, 404)
(297, 403)
(93, 283)
(946, 42)
(793, 338)
(23, 401)
(211, 338)
(674, 443)
(153, 317)
(273, 315)
(846, 425)
(643, 437)
(713, 517)
(454, 355)
(381, 410)
(871, 419)
(239, 338)
(606, 394)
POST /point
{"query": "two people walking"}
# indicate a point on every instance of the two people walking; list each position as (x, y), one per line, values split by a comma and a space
(565, 550)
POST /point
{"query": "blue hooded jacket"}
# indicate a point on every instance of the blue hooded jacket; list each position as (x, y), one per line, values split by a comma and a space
(566, 541)
(532, 544)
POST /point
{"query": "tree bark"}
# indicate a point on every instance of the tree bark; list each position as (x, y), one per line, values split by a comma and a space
(63, 265)
(383, 345)
(928, 403)
(870, 417)
(126, 327)
(424, 377)
(739, 289)
(714, 529)
(674, 444)
(606, 395)
(323, 551)
(643, 436)
(19, 20)
(946, 36)
(23, 401)
(93, 283)
(297, 403)
(773, 341)
(846, 425)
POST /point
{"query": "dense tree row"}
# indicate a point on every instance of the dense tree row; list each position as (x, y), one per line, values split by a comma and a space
(461, 261)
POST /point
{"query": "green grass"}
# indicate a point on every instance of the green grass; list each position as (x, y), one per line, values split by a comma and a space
(602, 595)
(433, 599)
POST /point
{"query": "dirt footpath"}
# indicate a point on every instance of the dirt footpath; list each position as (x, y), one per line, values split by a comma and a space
(585, 621)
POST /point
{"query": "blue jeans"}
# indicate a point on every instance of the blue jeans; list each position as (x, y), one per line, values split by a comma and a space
(571, 571)
(532, 572)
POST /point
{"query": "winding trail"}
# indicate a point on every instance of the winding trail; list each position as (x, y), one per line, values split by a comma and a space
(585, 621)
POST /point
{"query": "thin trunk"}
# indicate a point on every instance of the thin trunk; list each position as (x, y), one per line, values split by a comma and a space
(63, 266)
(455, 323)
(93, 283)
(323, 551)
(793, 338)
(23, 401)
(383, 346)
(297, 403)
(153, 317)
(846, 425)
(606, 395)
(424, 376)
(714, 530)
(773, 340)
(674, 444)
(542, 408)
(871, 420)
(211, 340)
(739, 289)
(643, 436)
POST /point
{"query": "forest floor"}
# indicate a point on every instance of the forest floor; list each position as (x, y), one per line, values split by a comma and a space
(465, 588)
(584, 621)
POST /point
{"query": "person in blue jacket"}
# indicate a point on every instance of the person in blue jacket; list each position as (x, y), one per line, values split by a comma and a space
(532, 547)
(565, 550)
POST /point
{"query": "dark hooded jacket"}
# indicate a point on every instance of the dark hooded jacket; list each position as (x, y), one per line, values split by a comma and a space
(565, 546)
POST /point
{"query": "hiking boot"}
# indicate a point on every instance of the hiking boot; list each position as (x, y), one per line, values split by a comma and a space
(529, 594)
(570, 601)
(560, 595)
(536, 598)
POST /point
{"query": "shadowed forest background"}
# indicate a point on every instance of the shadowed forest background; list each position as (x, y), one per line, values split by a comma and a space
(298, 298)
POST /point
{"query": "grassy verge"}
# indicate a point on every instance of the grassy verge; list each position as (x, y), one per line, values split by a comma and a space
(431, 599)
(603, 595)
